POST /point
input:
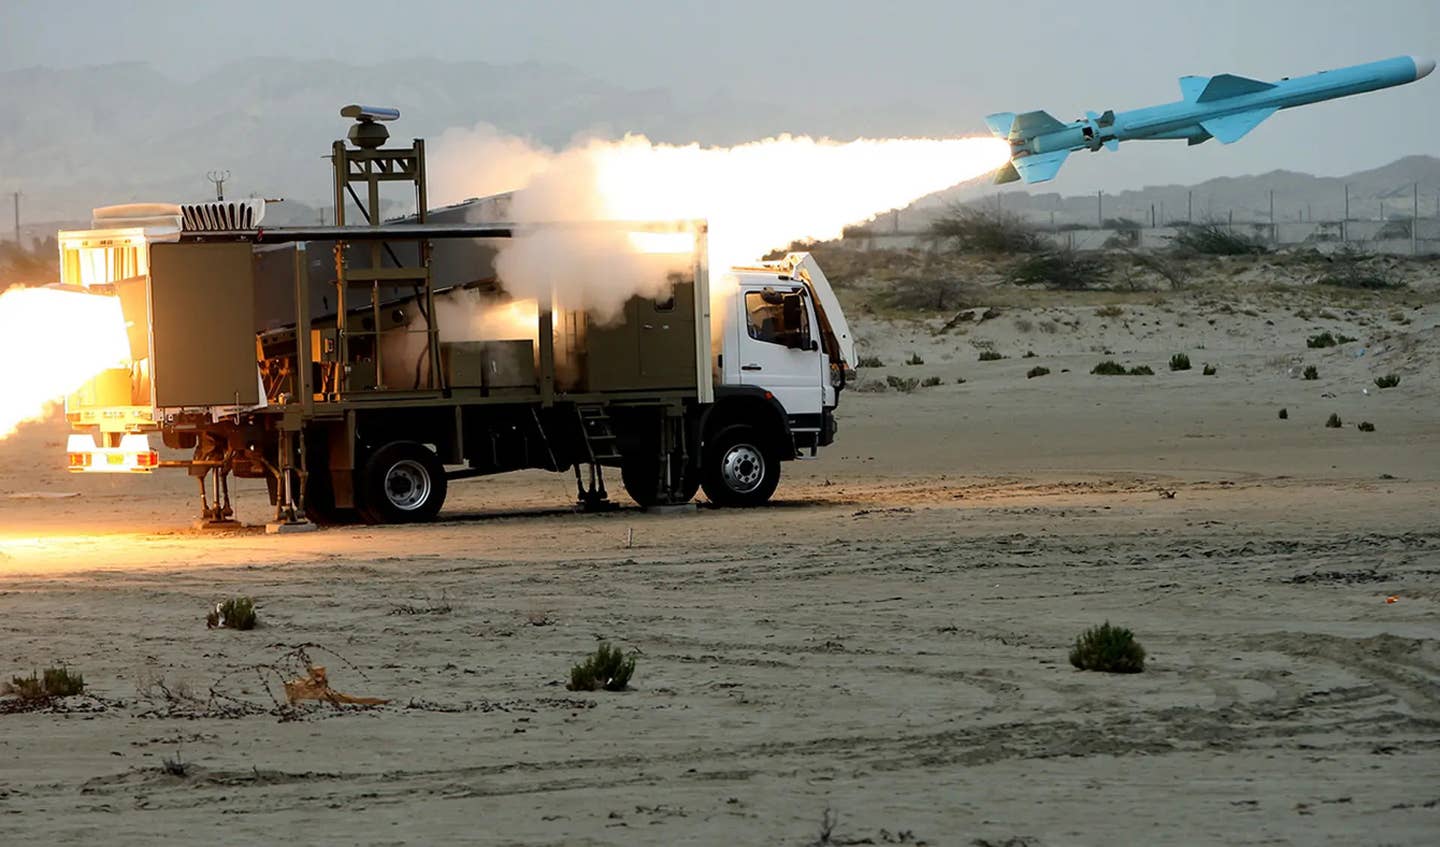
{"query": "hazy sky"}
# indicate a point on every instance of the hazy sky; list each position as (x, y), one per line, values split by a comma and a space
(936, 63)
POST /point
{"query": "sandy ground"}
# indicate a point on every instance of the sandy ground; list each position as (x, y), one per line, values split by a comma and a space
(888, 641)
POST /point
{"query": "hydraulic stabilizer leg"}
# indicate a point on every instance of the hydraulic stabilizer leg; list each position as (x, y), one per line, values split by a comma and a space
(593, 498)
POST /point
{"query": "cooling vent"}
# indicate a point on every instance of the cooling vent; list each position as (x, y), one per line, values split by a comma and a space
(221, 215)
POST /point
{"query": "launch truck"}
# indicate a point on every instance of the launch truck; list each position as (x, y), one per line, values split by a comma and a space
(319, 358)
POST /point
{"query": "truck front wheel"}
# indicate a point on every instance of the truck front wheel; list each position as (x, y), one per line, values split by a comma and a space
(740, 469)
(403, 482)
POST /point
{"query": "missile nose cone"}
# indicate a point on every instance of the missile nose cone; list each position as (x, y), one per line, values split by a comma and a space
(1423, 67)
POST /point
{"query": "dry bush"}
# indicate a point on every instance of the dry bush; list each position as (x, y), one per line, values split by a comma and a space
(966, 229)
(1065, 270)
(1180, 362)
(1109, 367)
(914, 359)
(1209, 370)
(52, 682)
(1387, 381)
(1036, 371)
(1334, 422)
(869, 362)
(1365, 426)
(990, 356)
(1213, 238)
(1312, 372)
(905, 385)
(937, 294)
(1109, 312)
(930, 382)
(1352, 267)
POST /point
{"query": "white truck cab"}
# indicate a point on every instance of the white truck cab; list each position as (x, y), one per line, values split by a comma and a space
(781, 331)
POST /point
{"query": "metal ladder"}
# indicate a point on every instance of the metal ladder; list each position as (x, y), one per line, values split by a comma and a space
(600, 440)
(601, 445)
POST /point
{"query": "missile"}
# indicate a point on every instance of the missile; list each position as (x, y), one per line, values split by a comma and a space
(1225, 107)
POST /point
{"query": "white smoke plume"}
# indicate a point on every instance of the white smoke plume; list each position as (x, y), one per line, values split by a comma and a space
(756, 197)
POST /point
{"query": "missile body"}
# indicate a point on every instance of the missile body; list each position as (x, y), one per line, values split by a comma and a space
(1225, 107)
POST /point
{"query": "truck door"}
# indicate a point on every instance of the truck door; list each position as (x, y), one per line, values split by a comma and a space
(778, 351)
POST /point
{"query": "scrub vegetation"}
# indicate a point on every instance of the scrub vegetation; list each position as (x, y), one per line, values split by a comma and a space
(52, 682)
(608, 668)
(1111, 649)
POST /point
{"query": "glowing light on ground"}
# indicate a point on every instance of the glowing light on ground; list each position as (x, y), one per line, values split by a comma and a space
(52, 341)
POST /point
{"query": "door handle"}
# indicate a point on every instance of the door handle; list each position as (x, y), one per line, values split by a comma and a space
(751, 368)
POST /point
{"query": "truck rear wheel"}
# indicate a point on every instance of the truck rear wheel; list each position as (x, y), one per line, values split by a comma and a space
(740, 468)
(403, 482)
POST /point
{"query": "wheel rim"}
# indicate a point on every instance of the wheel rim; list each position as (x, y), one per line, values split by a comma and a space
(743, 468)
(407, 485)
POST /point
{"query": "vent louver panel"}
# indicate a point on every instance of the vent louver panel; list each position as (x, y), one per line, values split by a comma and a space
(222, 215)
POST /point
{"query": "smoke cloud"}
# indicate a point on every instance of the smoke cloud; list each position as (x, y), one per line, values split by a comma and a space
(756, 197)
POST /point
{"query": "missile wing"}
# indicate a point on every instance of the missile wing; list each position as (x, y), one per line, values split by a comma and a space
(1226, 107)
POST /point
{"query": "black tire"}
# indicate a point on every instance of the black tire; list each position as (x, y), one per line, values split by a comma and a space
(641, 479)
(320, 506)
(739, 468)
(402, 482)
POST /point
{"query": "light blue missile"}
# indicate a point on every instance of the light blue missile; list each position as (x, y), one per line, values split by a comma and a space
(1224, 107)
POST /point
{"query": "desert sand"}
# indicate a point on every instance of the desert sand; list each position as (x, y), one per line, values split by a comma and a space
(887, 641)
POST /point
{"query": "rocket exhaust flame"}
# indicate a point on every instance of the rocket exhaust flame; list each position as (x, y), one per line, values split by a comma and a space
(757, 197)
(52, 341)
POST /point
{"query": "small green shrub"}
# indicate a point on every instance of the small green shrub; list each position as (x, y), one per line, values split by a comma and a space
(930, 382)
(1324, 339)
(990, 356)
(869, 362)
(903, 384)
(1140, 370)
(235, 613)
(1107, 648)
(1365, 426)
(1029, 354)
(1109, 367)
(1342, 338)
(1180, 362)
(1312, 372)
(1387, 381)
(1109, 312)
(1209, 370)
(607, 668)
(1284, 414)
(914, 359)
(959, 380)
(1036, 371)
(53, 682)
(1334, 421)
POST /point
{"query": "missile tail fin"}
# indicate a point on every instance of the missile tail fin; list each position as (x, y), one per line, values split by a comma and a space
(1031, 124)
(1041, 167)
(1191, 87)
(1000, 123)
(1230, 85)
(1007, 174)
(1232, 128)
